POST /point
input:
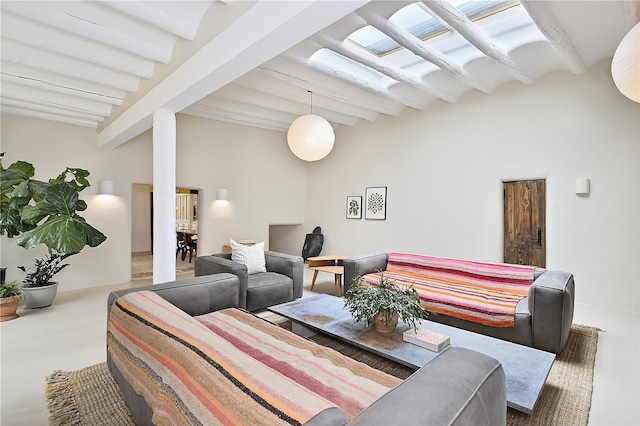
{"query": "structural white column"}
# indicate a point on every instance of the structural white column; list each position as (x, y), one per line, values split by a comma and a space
(164, 196)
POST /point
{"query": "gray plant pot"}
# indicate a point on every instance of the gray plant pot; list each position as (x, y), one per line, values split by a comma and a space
(39, 297)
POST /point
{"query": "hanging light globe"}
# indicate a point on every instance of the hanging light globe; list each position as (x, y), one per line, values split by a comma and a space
(311, 137)
(625, 66)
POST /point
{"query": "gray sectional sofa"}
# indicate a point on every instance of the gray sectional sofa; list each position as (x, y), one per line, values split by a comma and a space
(542, 320)
(282, 282)
(459, 387)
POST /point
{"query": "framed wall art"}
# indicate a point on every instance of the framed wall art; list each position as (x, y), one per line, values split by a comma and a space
(354, 207)
(376, 203)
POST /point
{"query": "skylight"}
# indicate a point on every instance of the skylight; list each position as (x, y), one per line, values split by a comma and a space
(418, 22)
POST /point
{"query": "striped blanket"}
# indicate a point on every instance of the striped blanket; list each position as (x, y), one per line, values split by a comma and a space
(486, 293)
(230, 367)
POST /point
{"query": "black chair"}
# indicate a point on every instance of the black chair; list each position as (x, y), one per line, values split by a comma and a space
(313, 244)
(180, 247)
(190, 246)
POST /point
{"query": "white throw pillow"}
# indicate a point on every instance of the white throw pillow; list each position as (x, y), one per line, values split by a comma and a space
(252, 256)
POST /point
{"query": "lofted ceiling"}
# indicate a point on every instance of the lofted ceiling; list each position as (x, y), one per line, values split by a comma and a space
(110, 64)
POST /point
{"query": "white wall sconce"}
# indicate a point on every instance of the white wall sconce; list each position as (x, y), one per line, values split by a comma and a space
(223, 194)
(583, 186)
(106, 187)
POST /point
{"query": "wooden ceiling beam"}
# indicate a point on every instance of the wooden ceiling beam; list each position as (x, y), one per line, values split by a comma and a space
(45, 80)
(247, 43)
(268, 86)
(419, 48)
(56, 40)
(382, 66)
(59, 19)
(51, 117)
(458, 21)
(156, 17)
(54, 110)
(553, 31)
(60, 100)
(308, 79)
(13, 51)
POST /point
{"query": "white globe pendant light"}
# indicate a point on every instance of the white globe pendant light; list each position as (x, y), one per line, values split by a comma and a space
(311, 137)
(625, 66)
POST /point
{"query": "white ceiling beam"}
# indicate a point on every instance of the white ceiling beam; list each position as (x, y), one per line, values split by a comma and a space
(24, 54)
(241, 119)
(457, 20)
(59, 19)
(268, 86)
(51, 117)
(552, 29)
(220, 102)
(319, 82)
(46, 80)
(155, 17)
(354, 80)
(279, 102)
(246, 43)
(387, 68)
(46, 98)
(54, 110)
(54, 40)
(419, 48)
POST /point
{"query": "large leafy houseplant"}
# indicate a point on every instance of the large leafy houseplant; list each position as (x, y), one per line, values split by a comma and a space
(386, 299)
(37, 212)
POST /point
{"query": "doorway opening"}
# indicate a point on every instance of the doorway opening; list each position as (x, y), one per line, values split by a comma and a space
(142, 229)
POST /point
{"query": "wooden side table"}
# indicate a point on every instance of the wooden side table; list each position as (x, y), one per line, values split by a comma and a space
(331, 264)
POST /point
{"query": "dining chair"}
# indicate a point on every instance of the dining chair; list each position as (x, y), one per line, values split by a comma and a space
(190, 246)
(180, 244)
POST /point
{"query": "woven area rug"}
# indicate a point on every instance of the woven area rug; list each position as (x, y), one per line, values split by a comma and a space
(90, 396)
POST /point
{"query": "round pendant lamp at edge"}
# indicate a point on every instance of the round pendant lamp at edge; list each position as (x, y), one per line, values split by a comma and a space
(310, 137)
(625, 66)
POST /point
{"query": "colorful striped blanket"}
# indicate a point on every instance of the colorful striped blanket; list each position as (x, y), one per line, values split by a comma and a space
(486, 293)
(230, 367)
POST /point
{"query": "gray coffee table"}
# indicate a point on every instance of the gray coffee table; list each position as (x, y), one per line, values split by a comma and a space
(526, 368)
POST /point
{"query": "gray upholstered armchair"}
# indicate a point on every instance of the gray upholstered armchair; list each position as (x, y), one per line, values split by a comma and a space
(282, 282)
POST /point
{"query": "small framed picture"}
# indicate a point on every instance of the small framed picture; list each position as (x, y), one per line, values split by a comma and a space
(376, 203)
(354, 207)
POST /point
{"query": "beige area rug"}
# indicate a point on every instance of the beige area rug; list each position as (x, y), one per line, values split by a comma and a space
(142, 265)
(91, 397)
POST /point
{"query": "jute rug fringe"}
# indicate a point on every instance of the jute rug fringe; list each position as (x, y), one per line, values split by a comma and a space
(61, 402)
(90, 396)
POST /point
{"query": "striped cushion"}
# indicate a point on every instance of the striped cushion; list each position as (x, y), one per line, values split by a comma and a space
(201, 371)
(251, 256)
(482, 292)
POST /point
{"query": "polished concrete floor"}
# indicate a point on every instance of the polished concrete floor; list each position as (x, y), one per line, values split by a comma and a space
(70, 335)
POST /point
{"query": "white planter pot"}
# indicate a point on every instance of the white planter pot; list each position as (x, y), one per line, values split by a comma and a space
(39, 297)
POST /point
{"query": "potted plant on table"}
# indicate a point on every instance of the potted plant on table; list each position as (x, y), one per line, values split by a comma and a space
(37, 212)
(383, 304)
(9, 299)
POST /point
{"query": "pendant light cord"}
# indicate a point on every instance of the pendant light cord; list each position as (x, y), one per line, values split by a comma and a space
(311, 95)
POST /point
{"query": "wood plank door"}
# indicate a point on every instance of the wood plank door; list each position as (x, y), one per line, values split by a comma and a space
(524, 222)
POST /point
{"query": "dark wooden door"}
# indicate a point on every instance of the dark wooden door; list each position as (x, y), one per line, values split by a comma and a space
(524, 222)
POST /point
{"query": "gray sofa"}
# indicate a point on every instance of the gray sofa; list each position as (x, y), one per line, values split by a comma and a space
(281, 283)
(543, 318)
(459, 387)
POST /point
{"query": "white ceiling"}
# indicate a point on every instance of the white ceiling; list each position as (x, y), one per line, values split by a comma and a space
(110, 64)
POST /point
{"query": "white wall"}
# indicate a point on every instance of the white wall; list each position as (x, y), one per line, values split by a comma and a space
(266, 186)
(444, 166)
(51, 147)
(141, 219)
